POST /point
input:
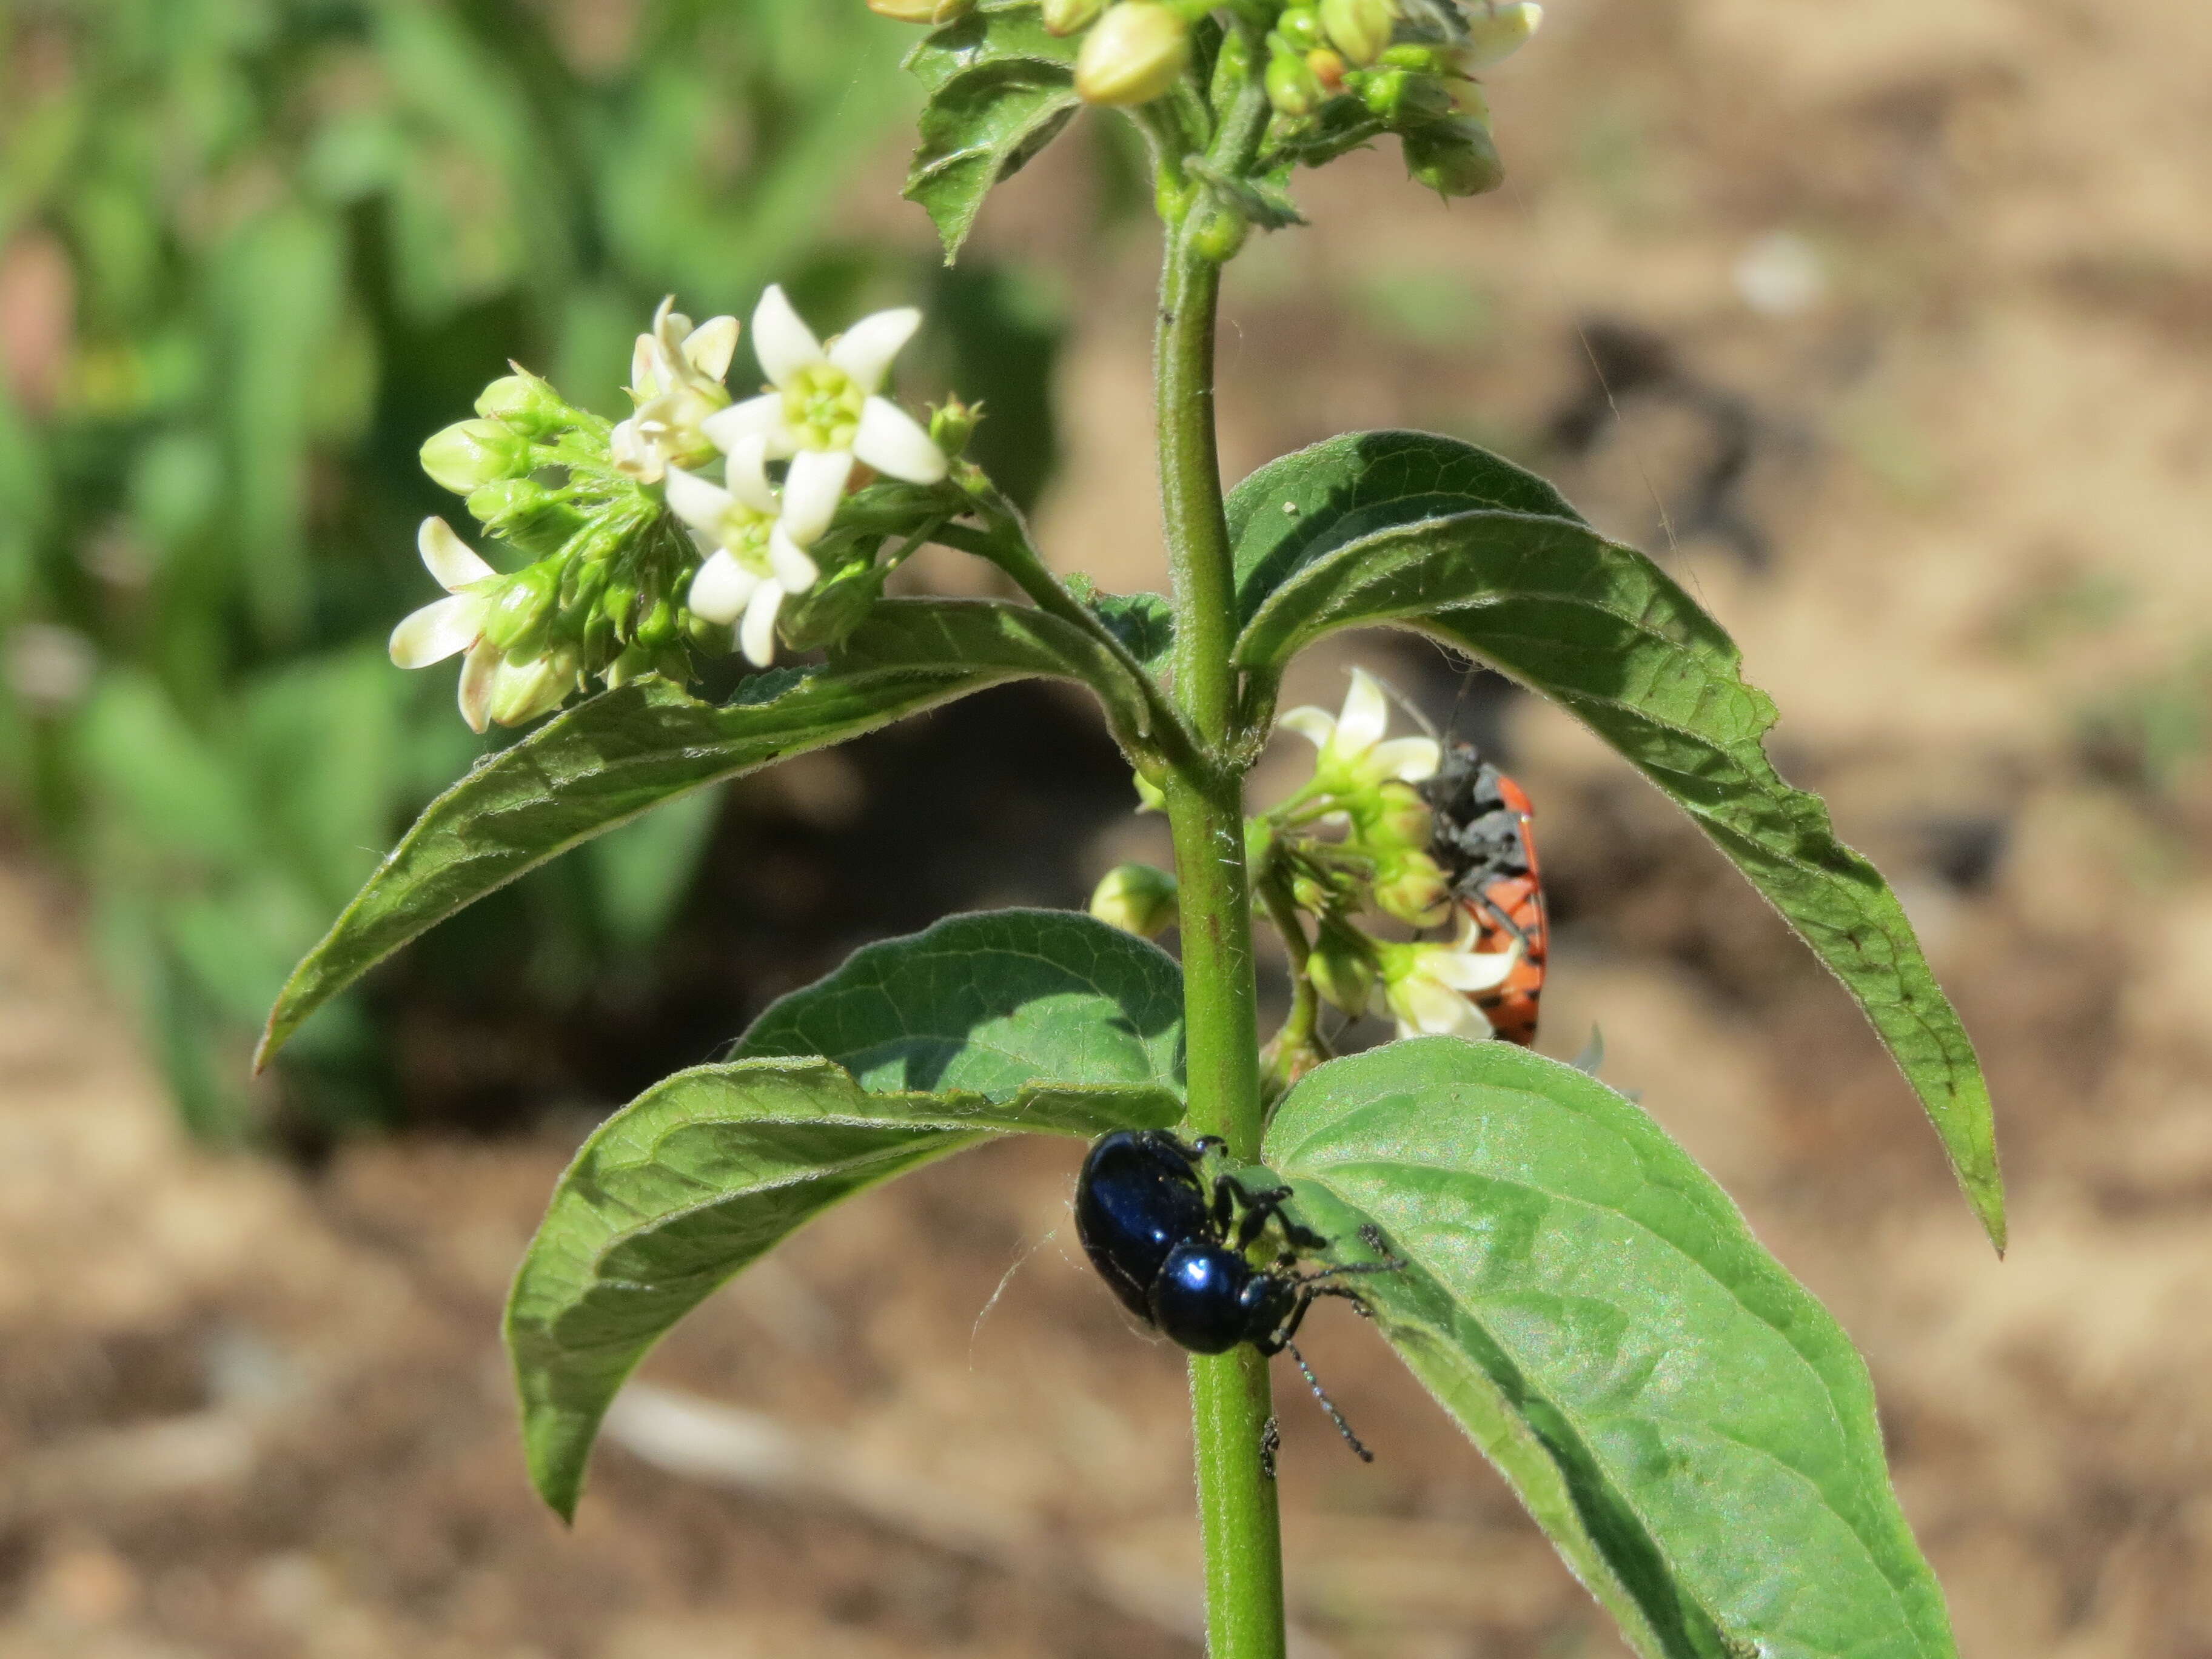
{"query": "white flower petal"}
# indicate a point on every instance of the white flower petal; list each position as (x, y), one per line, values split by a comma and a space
(1317, 725)
(721, 590)
(1409, 760)
(894, 443)
(634, 453)
(1366, 714)
(758, 417)
(709, 347)
(783, 343)
(695, 501)
(794, 571)
(1426, 1008)
(451, 560)
(746, 473)
(479, 671)
(438, 630)
(812, 491)
(641, 367)
(868, 347)
(1474, 970)
(756, 635)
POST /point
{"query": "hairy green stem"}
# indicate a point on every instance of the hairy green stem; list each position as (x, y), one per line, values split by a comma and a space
(1229, 1399)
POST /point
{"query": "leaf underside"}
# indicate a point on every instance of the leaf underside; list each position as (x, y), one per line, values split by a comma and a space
(622, 753)
(1601, 631)
(1009, 1022)
(1688, 1425)
(999, 89)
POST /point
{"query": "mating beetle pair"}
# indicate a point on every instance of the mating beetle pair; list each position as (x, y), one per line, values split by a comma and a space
(1175, 1251)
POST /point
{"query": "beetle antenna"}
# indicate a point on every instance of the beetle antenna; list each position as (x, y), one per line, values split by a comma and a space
(1329, 1406)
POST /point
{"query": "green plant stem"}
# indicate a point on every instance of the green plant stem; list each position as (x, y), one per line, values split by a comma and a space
(1229, 1393)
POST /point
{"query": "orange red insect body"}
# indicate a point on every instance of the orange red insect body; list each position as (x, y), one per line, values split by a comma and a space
(1483, 840)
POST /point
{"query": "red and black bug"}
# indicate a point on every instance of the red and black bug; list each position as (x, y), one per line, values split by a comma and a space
(1482, 839)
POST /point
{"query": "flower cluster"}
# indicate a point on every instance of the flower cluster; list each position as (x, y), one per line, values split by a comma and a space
(1356, 838)
(641, 555)
(1340, 71)
(1337, 72)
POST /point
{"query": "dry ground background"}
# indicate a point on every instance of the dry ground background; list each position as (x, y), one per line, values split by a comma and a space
(1908, 312)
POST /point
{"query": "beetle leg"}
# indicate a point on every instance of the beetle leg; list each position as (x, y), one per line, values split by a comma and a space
(1226, 1193)
(1280, 1338)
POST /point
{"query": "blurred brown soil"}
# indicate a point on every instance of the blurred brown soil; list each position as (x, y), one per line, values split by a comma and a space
(1946, 480)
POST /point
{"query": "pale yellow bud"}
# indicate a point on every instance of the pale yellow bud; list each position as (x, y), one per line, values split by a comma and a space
(1360, 29)
(1133, 55)
(1136, 899)
(931, 12)
(1071, 16)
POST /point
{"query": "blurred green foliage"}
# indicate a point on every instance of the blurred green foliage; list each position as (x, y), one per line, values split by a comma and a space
(252, 252)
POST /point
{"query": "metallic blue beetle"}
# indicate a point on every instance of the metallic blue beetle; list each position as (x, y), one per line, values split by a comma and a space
(1176, 1251)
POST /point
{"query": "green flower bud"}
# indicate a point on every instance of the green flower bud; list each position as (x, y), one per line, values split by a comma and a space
(1300, 27)
(1453, 158)
(1411, 55)
(952, 424)
(521, 616)
(1383, 92)
(705, 635)
(1342, 969)
(1071, 16)
(1132, 54)
(1219, 236)
(1360, 29)
(658, 630)
(619, 606)
(525, 402)
(932, 12)
(1136, 899)
(522, 692)
(470, 453)
(1292, 87)
(507, 499)
(1411, 887)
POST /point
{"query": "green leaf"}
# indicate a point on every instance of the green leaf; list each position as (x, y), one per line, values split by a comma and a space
(1019, 1021)
(1602, 631)
(1144, 622)
(1000, 89)
(622, 753)
(1300, 506)
(990, 1003)
(1689, 1425)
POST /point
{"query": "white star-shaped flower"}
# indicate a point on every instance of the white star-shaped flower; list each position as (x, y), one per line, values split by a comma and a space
(1353, 753)
(455, 624)
(752, 563)
(1429, 988)
(676, 380)
(824, 411)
